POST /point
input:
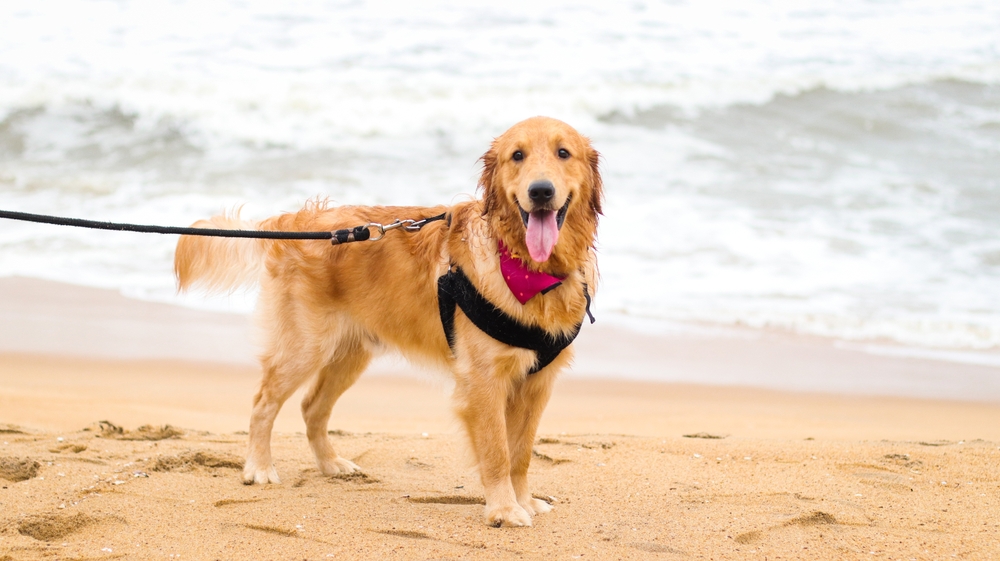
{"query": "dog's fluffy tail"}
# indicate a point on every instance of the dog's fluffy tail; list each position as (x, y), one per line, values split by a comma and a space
(219, 264)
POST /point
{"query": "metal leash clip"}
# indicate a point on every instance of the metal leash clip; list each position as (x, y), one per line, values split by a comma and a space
(364, 233)
(381, 231)
(409, 225)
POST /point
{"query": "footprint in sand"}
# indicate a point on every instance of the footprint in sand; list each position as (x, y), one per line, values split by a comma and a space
(68, 447)
(192, 460)
(107, 429)
(449, 500)
(815, 518)
(18, 469)
(51, 527)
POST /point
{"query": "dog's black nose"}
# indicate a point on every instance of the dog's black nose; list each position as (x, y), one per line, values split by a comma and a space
(541, 191)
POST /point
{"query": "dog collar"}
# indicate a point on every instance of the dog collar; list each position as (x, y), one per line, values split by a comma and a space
(524, 284)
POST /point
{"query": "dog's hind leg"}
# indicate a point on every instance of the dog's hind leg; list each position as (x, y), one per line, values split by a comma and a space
(348, 363)
(524, 411)
(281, 379)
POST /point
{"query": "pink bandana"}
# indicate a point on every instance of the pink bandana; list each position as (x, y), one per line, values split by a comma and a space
(522, 282)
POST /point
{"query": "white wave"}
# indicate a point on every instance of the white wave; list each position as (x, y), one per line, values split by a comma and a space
(981, 359)
(810, 166)
(314, 75)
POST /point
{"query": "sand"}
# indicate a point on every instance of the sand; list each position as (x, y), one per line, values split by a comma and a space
(636, 470)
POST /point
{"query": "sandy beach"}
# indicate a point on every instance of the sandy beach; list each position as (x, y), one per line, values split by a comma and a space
(797, 346)
(122, 434)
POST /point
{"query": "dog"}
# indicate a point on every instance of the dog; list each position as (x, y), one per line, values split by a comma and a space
(449, 295)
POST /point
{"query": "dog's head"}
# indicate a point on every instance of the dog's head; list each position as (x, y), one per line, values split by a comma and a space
(542, 190)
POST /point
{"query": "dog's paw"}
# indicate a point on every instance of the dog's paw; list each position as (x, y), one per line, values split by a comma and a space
(260, 476)
(535, 506)
(510, 516)
(338, 466)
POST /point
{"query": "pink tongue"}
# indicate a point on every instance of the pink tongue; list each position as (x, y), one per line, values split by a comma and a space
(542, 234)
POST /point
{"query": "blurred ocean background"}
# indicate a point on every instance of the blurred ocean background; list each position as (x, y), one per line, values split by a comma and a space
(816, 167)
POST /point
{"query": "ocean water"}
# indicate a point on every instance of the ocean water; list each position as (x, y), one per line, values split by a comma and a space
(817, 167)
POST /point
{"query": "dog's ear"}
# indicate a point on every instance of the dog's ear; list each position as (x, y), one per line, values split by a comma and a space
(486, 179)
(596, 183)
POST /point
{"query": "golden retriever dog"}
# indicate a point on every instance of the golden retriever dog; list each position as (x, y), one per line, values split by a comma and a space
(438, 295)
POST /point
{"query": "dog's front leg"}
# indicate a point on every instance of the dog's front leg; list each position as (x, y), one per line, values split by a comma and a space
(481, 395)
(524, 412)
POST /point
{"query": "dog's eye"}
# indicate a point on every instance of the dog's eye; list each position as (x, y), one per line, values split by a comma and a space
(563, 153)
(518, 156)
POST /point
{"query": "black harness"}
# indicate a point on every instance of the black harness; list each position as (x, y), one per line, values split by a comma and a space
(455, 289)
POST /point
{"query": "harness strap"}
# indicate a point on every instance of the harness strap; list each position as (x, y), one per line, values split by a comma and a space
(586, 294)
(455, 289)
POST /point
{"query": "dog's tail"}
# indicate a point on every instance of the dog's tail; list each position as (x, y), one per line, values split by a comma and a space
(219, 264)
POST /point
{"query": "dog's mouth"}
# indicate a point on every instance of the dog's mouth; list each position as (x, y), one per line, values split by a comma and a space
(542, 230)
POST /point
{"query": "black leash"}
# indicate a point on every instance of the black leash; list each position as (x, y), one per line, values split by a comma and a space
(357, 234)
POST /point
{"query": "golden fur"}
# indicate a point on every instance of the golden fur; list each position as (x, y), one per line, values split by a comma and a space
(327, 309)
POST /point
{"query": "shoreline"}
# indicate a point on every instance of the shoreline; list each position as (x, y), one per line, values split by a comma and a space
(65, 394)
(58, 319)
(100, 355)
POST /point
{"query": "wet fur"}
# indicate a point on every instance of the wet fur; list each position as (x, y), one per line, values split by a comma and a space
(326, 310)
